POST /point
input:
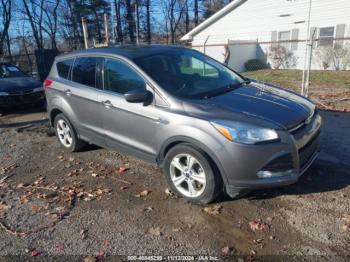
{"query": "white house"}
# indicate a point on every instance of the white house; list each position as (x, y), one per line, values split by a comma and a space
(250, 27)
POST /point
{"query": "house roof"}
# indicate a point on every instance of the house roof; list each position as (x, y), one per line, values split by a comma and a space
(217, 16)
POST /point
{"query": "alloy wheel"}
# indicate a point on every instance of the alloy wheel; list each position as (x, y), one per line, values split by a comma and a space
(187, 175)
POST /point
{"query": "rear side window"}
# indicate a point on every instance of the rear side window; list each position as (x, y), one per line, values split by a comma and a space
(63, 68)
(120, 78)
(84, 71)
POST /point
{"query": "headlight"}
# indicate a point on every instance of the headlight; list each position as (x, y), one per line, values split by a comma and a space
(3, 94)
(244, 133)
(38, 89)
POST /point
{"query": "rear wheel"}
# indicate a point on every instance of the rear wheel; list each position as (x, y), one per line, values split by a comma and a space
(191, 174)
(67, 135)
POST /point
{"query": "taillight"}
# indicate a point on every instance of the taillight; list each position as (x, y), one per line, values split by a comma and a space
(47, 83)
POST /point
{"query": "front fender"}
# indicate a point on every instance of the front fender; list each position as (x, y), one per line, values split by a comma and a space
(203, 141)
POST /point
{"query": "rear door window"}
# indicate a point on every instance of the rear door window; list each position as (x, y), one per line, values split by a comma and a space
(64, 67)
(84, 71)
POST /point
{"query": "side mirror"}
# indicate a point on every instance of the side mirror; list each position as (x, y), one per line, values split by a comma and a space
(138, 96)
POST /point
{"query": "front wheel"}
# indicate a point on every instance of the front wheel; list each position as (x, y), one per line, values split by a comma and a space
(191, 174)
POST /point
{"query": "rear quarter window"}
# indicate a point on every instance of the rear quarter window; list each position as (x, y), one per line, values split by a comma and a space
(63, 68)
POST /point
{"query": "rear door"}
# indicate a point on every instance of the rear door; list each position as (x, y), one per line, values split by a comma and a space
(129, 127)
(83, 98)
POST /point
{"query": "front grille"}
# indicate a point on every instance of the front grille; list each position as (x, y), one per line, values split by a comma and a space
(308, 151)
(280, 164)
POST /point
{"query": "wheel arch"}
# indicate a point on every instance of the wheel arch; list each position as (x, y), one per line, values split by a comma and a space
(174, 141)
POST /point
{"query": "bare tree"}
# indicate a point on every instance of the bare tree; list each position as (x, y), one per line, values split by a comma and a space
(196, 12)
(51, 21)
(34, 10)
(187, 17)
(119, 27)
(174, 11)
(6, 7)
(148, 21)
(130, 21)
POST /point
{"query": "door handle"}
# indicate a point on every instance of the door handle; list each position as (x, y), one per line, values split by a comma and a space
(68, 92)
(107, 103)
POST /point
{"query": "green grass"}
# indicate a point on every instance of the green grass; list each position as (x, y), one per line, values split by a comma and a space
(293, 78)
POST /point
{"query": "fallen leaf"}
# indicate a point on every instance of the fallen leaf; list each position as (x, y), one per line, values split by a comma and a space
(100, 255)
(148, 209)
(226, 251)
(346, 228)
(214, 210)
(94, 175)
(4, 206)
(168, 192)
(144, 193)
(258, 226)
(124, 188)
(258, 241)
(83, 233)
(154, 231)
(60, 247)
(89, 259)
(122, 169)
(346, 218)
(35, 253)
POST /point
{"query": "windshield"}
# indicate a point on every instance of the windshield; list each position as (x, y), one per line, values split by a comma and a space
(189, 74)
(9, 71)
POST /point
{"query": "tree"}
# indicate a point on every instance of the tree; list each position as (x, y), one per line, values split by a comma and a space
(130, 21)
(173, 13)
(34, 10)
(118, 15)
(213, 6)
(148, 21)
(196, 13)
(6, 8)
(281, 57)
(51, 21)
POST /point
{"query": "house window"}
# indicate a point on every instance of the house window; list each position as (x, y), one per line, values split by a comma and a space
(284, 36)
(326, 37)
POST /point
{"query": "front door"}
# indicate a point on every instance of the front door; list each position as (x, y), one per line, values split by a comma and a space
(129, 127)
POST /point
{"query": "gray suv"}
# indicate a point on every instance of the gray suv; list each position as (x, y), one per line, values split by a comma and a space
(210, 129)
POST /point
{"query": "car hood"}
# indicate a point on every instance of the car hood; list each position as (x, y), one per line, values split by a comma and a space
(18, 84)
(257, 103)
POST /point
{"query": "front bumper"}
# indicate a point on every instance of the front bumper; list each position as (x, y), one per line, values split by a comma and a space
(21, 99)
(295, 152)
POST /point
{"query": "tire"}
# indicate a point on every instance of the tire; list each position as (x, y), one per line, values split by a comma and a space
(67, 137)
(195, 168)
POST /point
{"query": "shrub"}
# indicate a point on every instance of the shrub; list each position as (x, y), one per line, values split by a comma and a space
(255, 64)
(281, 57)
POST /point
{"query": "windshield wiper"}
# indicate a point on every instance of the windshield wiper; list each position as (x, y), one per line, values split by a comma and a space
(225, 89)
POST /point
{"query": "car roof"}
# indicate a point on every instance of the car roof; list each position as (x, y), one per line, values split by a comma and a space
(129, 51)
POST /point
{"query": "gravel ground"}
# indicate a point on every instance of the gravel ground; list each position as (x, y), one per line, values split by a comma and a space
(54, 203)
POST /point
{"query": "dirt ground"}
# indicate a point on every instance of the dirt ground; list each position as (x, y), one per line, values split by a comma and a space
(100, 203)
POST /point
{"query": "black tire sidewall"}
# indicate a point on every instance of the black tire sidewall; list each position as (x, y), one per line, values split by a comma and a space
(213, 179)
(73, 146)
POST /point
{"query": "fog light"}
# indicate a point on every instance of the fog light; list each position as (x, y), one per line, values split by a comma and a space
(269, 174)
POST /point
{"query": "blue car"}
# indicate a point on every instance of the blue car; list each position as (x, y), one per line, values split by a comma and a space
(17, 88)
